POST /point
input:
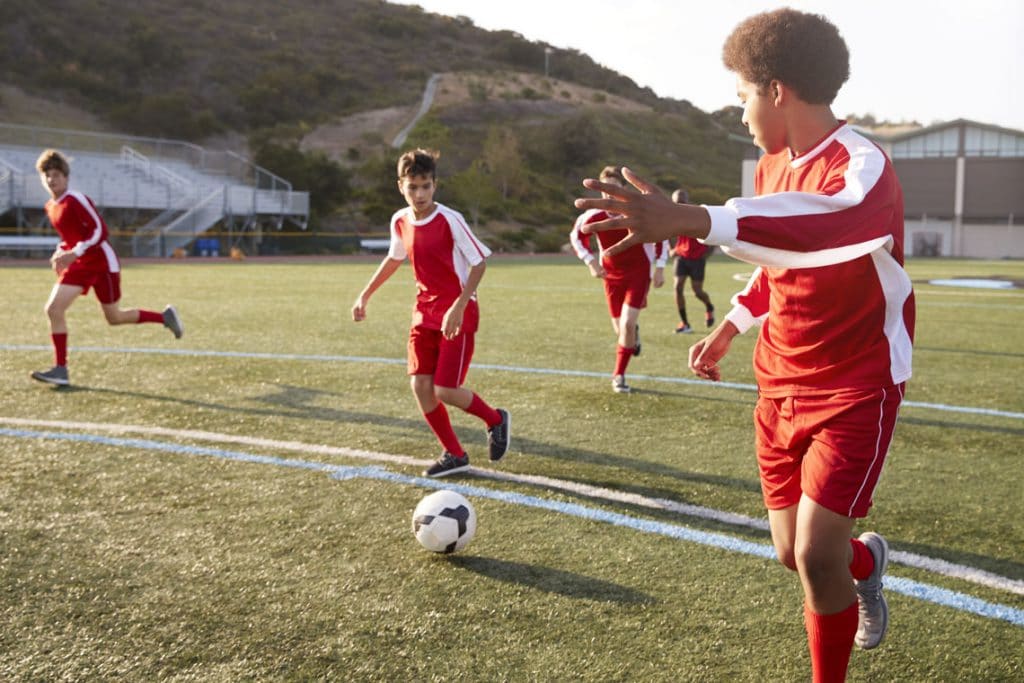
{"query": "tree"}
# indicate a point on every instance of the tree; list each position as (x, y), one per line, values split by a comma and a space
(502, 160)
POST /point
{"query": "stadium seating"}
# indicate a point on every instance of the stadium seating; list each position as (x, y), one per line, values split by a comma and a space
(190, 188)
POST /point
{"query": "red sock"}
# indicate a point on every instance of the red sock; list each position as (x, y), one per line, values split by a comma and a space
(60, 348)
(479, 407)
(830, 639)
(442, 426)
(150, 317)
(863, 561)
(622, 356)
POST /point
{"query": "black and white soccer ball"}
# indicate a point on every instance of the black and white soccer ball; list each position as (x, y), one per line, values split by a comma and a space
(444, 522)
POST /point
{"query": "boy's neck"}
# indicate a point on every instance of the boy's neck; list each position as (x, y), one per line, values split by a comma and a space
(420, 215)
(807, 126)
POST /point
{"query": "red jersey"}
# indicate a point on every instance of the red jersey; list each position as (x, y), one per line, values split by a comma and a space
(826, 232)
(442, 249)
(636, 259)
(82, 230)
(689, 248)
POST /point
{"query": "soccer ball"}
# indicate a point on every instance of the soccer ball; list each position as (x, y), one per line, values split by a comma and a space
(444, 522)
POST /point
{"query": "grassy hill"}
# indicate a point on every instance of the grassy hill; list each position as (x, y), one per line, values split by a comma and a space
(318, 88)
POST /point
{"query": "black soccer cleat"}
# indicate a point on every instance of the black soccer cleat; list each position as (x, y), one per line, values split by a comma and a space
(499, 436)
(447, 464)
(58, 375)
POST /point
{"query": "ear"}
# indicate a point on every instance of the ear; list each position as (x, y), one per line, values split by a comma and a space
(779, 92)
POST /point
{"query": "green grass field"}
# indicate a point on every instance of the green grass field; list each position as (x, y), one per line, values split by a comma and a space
(132, 554)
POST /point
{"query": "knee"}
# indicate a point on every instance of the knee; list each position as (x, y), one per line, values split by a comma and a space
(815, 562)
(444, 394)
(786, 556)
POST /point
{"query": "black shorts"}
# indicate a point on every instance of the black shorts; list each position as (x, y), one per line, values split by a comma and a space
(692, 267)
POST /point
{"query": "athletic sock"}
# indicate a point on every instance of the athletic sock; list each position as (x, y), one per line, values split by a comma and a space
(60, 348)
(830, 640)
(442, 427)
(863, 562)
(682, 315)
(479, 408)
(622, 356)
(150, 317)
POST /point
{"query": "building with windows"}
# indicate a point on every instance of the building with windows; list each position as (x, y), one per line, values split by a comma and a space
(963, 187)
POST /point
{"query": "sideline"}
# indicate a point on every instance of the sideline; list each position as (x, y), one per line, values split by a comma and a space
(934, 594)
(968, 410)
(933, 565)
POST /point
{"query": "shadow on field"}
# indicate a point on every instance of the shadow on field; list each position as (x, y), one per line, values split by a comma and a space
(1015, 431)
(970, 352)
(552, 580)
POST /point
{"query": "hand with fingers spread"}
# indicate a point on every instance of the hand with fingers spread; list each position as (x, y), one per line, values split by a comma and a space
(649, 215)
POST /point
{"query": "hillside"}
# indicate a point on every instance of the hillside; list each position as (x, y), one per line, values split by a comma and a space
(318, 88)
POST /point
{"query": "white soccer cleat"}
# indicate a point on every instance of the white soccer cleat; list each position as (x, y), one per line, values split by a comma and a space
(872, 610)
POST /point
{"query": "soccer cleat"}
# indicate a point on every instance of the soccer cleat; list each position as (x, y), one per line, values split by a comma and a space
(683, 328)
(709, 316)
(499, 436)
(619, 385)
(173, 322)
(58, 375)
(447, 464)
(872, 610)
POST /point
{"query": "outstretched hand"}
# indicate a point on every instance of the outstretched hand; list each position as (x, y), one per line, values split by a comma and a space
(649, 215)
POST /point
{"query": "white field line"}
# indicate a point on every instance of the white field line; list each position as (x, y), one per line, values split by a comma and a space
(936, 566)
(968, 410)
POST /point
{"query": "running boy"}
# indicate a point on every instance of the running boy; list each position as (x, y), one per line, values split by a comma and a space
(448, 263)
(836, 310)
(626, 275)
(84, 259)
(691, 259)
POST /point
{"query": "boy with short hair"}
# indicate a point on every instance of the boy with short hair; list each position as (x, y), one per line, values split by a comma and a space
(448, 262)
(836, 310)
(627, 279)
(84, 259)
(691, 260)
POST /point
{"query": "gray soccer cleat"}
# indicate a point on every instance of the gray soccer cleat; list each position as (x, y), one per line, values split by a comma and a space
(872, 610)
(173, 322)
(619, 385)
(58, 375)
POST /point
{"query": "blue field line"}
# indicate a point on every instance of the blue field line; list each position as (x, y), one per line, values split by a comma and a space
(922, 591)
(969, 410)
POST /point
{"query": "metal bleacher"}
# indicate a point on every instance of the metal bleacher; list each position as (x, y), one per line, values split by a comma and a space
(190, 189)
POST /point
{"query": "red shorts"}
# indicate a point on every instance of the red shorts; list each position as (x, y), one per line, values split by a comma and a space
(630, 291)
(446, 359)
(831, 448)
(91, 273)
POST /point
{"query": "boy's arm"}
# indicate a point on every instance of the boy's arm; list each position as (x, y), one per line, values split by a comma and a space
(385, 270)
(452, 323)
(580, 243)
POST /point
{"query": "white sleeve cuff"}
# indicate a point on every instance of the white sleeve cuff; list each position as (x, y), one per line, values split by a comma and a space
(78, 250)
(741, 317)
(723, 226)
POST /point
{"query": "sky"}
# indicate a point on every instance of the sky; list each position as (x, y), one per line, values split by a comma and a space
(909, 60)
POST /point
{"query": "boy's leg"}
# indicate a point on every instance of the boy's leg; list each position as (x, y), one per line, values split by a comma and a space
(454, 358)
(435, 414)
(61, 298)
(709, 309)
(822, 556)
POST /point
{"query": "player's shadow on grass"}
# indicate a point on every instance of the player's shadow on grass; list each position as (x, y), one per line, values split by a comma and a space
(552, 580)
(1013, 431)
